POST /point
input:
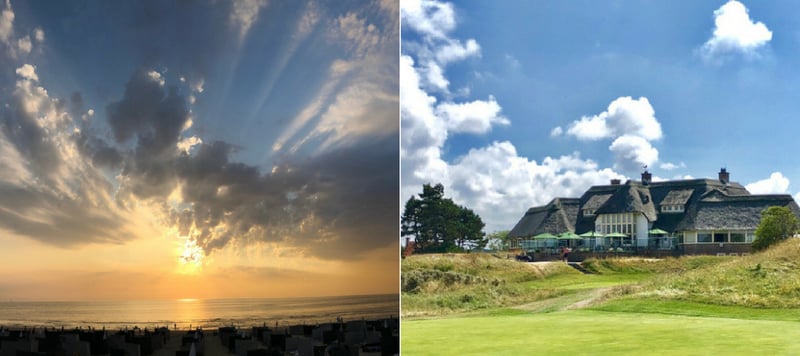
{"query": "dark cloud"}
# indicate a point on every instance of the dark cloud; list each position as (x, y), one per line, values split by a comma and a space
(155, 120)
(336, 205)
(22, 130)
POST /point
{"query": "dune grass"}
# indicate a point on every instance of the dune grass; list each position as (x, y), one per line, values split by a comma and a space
(441, 284)
(770, 279)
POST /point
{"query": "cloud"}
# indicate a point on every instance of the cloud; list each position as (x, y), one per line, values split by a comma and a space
(48, 192)
(777, 183)
(244, 14)
(6, 23)
(668, 166)
(556, 131)
(473, 117)
(624, 116)
(632, 125)
(430, 18)
(632, 152)
(27, 71)
(434, 20)
(38, 34)
(734, 31)
(24, 45)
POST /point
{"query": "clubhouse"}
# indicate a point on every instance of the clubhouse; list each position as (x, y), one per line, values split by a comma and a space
(692, 216)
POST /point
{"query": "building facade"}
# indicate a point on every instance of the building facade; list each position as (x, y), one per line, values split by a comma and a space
(693, 216)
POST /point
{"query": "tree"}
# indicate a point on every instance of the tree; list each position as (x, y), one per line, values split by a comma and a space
(498, 240)
(440, 225)
(777, 224)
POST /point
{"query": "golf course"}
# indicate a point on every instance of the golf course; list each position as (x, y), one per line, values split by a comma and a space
(456, 304)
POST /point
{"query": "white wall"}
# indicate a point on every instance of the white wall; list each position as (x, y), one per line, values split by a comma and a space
(641, 230)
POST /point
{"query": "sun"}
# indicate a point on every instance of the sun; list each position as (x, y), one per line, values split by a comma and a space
(190, 257)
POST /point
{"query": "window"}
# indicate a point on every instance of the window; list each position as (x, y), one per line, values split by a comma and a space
(703, 237)
(750, 237)
(720, 237)
(737, 237)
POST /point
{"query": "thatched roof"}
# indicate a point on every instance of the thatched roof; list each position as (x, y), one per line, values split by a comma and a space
(556, 217)
(708, 204)
(733, 212)
(632, 197)
(677, 197)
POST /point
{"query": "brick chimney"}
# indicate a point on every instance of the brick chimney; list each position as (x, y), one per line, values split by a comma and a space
(724, 176)
(646, 177)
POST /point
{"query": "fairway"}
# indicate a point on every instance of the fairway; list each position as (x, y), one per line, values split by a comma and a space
(597, 333)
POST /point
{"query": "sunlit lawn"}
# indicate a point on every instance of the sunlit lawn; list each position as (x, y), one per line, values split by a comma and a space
(593, 332)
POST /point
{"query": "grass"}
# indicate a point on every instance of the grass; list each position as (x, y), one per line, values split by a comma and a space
(687, 305)
(597, 333)
(442, 284)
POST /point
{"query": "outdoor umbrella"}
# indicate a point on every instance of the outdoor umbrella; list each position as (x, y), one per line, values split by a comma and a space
(657, 232)
(569, 236)
(591, 234)
(544, 235)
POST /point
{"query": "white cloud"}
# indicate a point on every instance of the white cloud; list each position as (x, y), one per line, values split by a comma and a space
(156, 77)
(775, 184)
(625, 116)
(38, 34)
(434, 20)
(187, 143)
(431, 18)
(28, 71)
(244, 14)
(473, 117)
(6, 23)
(735, 32)
(632, 152)
(24, 45)
(668, 166)
(632, 125)
(454, 51)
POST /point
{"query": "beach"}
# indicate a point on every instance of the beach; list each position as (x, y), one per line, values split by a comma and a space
(359, 337)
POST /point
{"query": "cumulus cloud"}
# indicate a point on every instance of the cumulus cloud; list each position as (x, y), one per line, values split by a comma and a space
(27, 71)
(494, 180)
(631, 153)
(625, 116)
(434, 20)
(734, 31)
(473, 117)
(632, 125)
(777, 183)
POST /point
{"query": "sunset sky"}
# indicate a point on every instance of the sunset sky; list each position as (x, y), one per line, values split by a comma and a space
(510, 104)
(198, 149)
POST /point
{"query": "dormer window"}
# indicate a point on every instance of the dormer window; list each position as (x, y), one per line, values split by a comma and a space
(588, 212)
(672, 208)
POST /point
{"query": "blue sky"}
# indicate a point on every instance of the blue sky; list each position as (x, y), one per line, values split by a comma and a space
(247, 133)
(513, 103)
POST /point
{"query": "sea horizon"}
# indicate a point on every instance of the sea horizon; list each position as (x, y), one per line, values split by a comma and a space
(191, 313)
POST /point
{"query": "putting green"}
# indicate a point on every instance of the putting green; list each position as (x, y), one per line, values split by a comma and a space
(589, 332)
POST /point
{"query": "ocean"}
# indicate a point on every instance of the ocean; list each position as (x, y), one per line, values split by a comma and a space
(209, 313)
